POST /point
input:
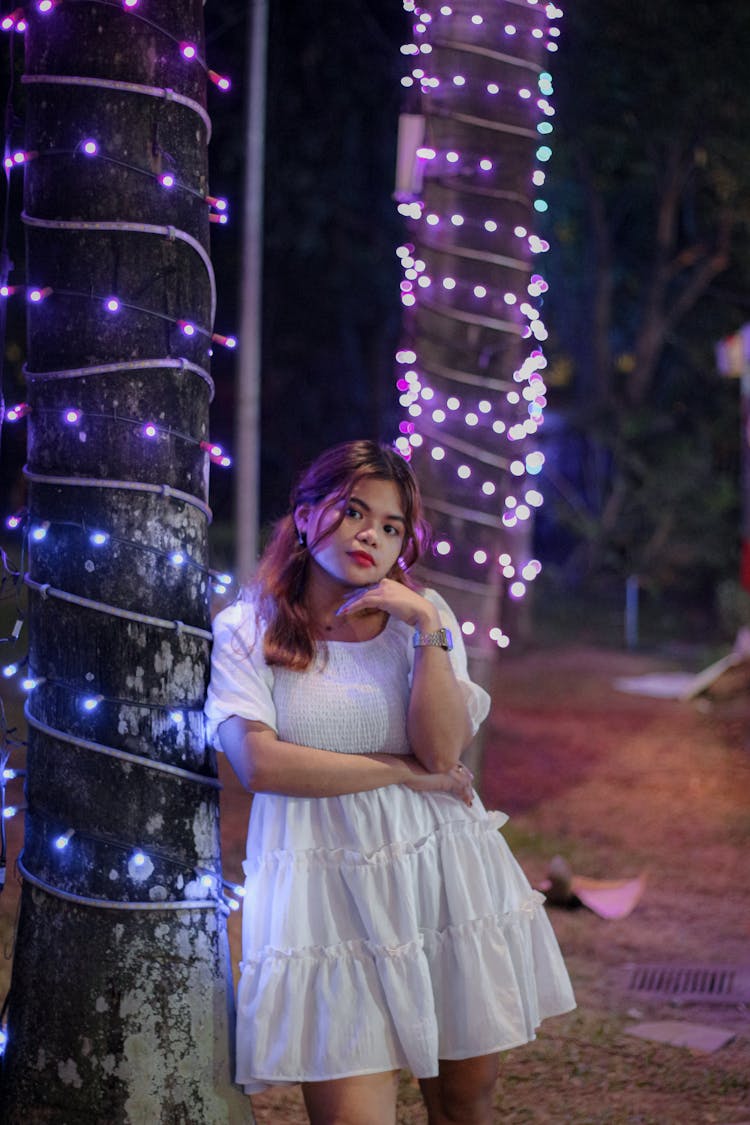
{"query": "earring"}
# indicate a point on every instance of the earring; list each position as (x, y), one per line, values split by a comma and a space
(301, 538)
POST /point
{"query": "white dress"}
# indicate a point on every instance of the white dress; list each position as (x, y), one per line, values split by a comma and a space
(384, 929)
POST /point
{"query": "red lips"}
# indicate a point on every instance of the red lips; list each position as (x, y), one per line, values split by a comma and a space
(361, 558)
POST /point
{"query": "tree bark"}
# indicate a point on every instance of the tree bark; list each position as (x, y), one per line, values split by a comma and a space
(467, 328)
(119, 1009)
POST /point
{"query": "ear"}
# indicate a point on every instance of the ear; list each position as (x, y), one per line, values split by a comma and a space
(301, 516)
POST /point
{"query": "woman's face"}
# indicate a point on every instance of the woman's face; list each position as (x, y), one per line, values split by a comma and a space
(367, 542)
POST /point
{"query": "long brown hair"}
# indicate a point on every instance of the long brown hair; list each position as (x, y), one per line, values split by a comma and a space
(278, 587)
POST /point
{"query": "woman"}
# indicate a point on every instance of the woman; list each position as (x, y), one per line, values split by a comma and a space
(386, 924)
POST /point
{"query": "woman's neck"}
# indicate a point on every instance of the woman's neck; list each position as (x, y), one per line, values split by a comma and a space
(323, 596)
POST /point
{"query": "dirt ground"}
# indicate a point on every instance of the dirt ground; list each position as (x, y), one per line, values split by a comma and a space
(618, 785)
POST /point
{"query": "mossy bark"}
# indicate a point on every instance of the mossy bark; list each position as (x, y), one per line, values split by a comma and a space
(119, 1012)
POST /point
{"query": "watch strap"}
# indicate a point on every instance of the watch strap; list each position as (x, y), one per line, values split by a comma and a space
(441, 638)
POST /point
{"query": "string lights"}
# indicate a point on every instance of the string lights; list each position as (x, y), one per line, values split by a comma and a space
(470, 371)
(85, 523)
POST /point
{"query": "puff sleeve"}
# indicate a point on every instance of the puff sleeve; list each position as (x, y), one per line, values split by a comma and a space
(241, 682)
(476, 698)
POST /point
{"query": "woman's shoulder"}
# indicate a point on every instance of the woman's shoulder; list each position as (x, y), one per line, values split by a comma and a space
(240, 618)
(446, 613)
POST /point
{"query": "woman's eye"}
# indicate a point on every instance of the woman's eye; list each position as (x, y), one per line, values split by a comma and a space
(353, 513)
(391, 530)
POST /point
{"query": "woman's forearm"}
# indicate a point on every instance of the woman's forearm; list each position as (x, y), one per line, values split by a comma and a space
(266, 764)
(437, 723)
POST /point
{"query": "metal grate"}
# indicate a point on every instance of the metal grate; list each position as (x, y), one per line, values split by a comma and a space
(705, 984)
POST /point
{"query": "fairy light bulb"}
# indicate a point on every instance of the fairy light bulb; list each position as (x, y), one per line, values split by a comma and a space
(167, 180)
(178, 558)
(112, 305)
(17, 412)
(63, 840)
(37, 295)
(443, 547)
(10, 670)
(40, 533)
(177, 717)
(72, 416)
(220, 80)
(150, 430)
(188, 329)
(138, 859)
(188, 51)
(468, 628)
(90, 147)
(480, 557)
(98, 538)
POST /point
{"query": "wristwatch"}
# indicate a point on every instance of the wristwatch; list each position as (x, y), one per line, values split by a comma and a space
(441, 638)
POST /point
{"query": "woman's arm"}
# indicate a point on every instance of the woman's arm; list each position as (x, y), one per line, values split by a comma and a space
(266, 764)
(437, 721)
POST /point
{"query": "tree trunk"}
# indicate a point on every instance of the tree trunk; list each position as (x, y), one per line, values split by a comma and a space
(468, 380)
(119, 1007)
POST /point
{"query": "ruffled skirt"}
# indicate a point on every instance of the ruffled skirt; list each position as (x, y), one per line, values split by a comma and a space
(361, 957)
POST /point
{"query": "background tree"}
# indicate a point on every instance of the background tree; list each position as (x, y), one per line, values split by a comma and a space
(470, 366)
(118, 1009)
(650, 206)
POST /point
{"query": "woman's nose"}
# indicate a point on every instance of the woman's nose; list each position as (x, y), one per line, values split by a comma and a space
(367, 535)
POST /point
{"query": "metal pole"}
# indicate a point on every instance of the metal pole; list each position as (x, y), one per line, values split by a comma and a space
(247, 432)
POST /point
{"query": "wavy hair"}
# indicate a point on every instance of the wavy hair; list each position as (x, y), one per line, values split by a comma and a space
(278, 588)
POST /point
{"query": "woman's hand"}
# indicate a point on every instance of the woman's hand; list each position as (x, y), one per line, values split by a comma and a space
(395, 599)
(456, 780)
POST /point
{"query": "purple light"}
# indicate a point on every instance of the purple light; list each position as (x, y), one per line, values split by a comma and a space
(112, 304)
(72, 416)
(7, 23)
(188, 329)
(20, 157)
(13, 522)
(167, 180)
(188, 51)
(90, 147)
(130, 3)
(37, 295)
(150, 430)
(45, 6)
(219, 80)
